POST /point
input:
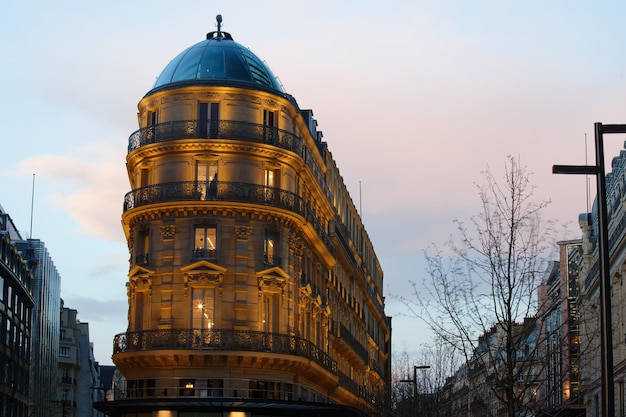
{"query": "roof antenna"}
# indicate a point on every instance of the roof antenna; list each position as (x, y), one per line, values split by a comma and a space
(32, 205)
(219, 25)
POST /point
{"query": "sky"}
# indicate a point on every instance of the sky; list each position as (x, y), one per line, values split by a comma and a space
(415, 99)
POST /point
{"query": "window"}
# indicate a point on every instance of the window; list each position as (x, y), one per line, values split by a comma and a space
(269, 315)
(203, 305)
(205, 243)
(141, 310)
(208, 120)
(270, 178)
(144, 177)
(64, 351)
(270, 131)
(142, 249)
(270, 248)
(272, 183)
(206, 179)
(153, 118)
(268, 310)
(152, 122)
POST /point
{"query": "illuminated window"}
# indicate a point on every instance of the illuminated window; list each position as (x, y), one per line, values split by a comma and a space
(203, 308)
(269, 314)
(272, 183)
(205, 243)
(270, 248)
(206, 179)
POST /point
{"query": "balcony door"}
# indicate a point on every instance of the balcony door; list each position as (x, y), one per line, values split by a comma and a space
(206, 179)
(203, 308)
(203, 316)
(272, 183)
(208, 120)
(270, 131)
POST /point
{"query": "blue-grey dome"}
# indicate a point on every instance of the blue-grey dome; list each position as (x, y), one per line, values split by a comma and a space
(218, 60)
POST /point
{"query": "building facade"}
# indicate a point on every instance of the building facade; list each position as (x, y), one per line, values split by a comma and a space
(254, 288)
(79, 380)
(45, 329)
(30, 324)
(590, 294)
(16, 310)
(560, 342)
(479, 387)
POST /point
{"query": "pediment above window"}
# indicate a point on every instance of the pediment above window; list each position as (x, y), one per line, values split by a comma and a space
(140, 279)
(203, 274)
(272, 280)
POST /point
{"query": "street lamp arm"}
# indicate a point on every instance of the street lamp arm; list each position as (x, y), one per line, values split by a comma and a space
(576, 169)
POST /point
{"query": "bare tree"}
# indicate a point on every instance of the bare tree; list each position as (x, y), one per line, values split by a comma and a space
(479, 294)
(417, 381)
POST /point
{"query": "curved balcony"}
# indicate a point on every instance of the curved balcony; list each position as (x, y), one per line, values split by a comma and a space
(222, 339)
(224, 388)
(228, 130)
(267, 397)
(225, 191)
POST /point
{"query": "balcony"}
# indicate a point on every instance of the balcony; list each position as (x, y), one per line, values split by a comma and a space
(200, 253)
(347, 337)
(271, 260)
(223, 388)
(223, 340)
(142, 259)
(228, 130)
(268, 397)
(225, 191)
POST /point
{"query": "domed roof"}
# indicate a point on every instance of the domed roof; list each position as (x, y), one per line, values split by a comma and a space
(218, 60)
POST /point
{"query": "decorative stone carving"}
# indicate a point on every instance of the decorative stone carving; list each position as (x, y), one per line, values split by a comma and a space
(207, 279)
(203, 274)
(272, 280)
(243, 232)
(296, 244)
(141, 282)
(131, 240)
(271, 283)
(167, 232)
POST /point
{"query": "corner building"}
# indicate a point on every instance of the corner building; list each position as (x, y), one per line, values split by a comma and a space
(254, 289)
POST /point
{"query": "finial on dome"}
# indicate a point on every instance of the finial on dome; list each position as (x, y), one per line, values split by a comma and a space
(218, 35)
(219, 25)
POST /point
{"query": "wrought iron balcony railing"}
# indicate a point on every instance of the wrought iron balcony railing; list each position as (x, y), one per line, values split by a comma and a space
(223, 388)
(142, 259)
(269, 259)
(347, 337)
(222, 339)
(226, 191)
(200, 253)
(228, 130)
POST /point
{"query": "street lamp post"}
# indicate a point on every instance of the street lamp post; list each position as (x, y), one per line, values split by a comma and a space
(414, 382)
(606, 327)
